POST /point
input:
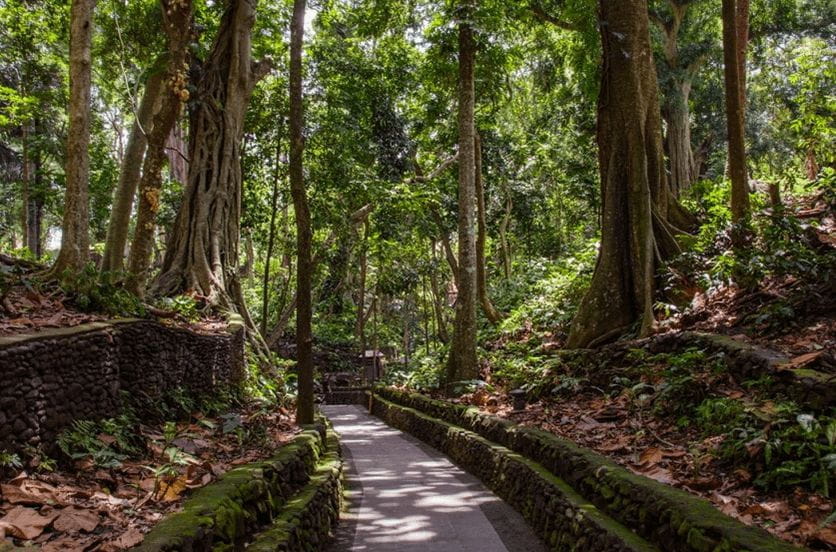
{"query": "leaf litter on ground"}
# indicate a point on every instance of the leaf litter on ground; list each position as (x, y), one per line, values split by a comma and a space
(89, 508)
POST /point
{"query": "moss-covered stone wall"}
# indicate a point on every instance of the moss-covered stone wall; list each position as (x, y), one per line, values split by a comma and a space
(309, 519)
(276, 504)
(51, 378)
(669, 518)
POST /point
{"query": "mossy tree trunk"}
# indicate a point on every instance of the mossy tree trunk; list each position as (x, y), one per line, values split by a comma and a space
(635, 232)
(462, 364)
(75, 239)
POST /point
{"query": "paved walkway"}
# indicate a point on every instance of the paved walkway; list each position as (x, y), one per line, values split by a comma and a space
(405, 496)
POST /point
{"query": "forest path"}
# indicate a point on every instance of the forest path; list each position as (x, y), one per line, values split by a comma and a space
(404, 496)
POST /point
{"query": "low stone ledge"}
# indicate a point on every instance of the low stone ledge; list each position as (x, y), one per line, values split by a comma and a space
(804, 384)
(309, 519)
(51, 378)
(811, 385)
(224, 514)
(562, 518)
(674, 520)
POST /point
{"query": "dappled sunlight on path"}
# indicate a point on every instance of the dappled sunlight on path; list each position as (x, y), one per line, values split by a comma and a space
(405, 496)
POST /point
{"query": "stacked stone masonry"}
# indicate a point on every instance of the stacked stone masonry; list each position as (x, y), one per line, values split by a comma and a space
(50, 379)
(563, 488)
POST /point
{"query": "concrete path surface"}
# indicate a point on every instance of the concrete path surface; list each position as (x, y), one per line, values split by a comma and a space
(407, 497)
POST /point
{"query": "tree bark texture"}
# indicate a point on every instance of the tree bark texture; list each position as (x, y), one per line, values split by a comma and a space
(493, 315)
(304, 232)
(633, 180)
(177, 22)
(734, 112)
(462, 364)
(75, 239)
(129, 174)
(202, 254)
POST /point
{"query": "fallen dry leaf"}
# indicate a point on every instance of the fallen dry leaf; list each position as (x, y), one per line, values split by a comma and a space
(651, 456)
(171, 491)
(660, 474)
(74, 519)
(29, 491)
(26, 523)
(803, 360)
(126, 540)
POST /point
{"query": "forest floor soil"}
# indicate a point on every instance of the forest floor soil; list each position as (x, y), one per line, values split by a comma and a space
(407, 497)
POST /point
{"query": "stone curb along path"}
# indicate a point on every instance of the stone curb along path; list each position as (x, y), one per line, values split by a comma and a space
(573, 497)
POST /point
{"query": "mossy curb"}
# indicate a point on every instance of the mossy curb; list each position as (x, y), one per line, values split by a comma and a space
(224, 514)
(307, 522)
(562, 518)
(670, 518)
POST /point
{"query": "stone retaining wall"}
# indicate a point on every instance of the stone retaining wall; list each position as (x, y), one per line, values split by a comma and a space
(669, 518)
(49, 379)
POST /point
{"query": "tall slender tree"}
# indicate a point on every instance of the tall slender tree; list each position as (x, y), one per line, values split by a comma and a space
(75, 239)
(129, 174)
(734, 45)
(493, 315)
(304, 233)
(463, 362)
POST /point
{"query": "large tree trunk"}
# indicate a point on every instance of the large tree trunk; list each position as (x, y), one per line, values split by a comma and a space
(462, 363)
(177, 22)
(75, 239)
(129, 174)
(304, 232)
(734, 68)
(676, 110)
(202, 254)
(493, 315)
(633, 181)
